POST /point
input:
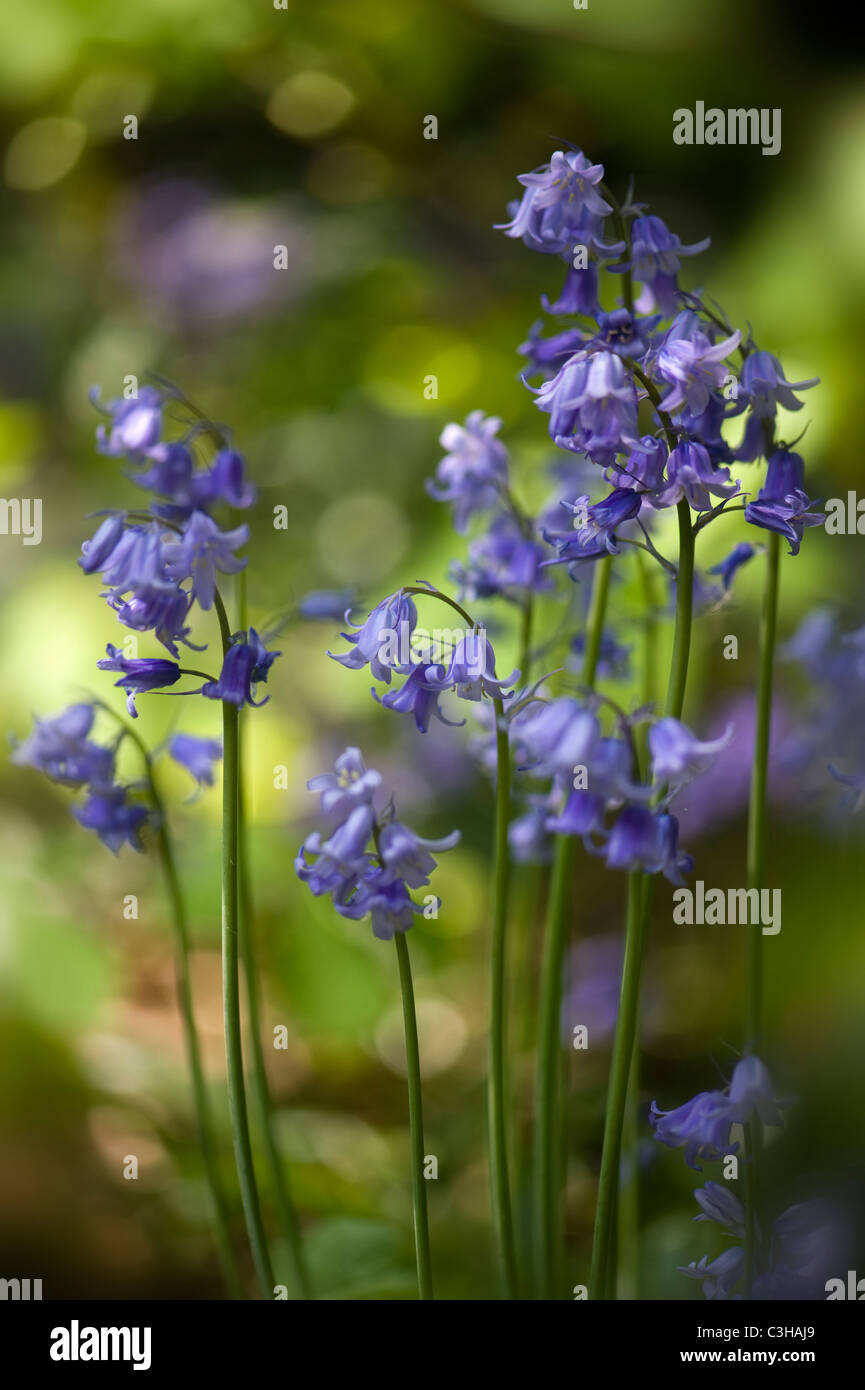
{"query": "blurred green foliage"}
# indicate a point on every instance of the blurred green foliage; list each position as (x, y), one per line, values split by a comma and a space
(303, 127)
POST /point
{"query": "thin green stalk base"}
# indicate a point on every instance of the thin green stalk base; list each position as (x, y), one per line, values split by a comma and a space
(497, 1089)
(415, 1113)
(231, 1006)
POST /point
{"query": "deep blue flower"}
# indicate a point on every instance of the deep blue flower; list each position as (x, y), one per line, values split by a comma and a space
(557, 736)
(561, 207)
(385, 900)
(140, 674)
(384, 639)
(474, 470)
(701, 1127)
(655, 252)
(161, 610)
(595, 526)
(116, 820)
(648, 841)
(244, 666)
(418, 698)
(782, 504)
(579, 293)
(624, 333)
(545, 356)
(690, 474)
(739, 556)
(60, 747)
(197, 755)
(405, 855)
(592, 404)
(201, 551)
(644, 467)
(763, 382)
(583, 815)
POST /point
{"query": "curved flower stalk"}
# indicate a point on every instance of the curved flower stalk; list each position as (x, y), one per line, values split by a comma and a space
(62, 747)
(369, 864)
(159, 565)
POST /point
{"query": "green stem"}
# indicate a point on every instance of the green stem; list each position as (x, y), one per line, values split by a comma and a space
(231, 985)
(756, 872)
(183, 983)
(415, 1117)
(260, 1084)
(524, 661)
(640, 896)
(547, 1103)
(497, 1106)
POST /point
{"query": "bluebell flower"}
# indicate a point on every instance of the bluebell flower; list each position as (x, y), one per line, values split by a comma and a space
(579, 293)
(556, 736)
(719, 1276)
(197, 755)
(739, 556)
(504, 562)
(643, 468)
(385, 900)
(701, 1127)
(350, 784)
(545, 356)
(471, 671)
(405, 855)
(366, 881)
(384, 640)
(474, 471)
(60, 747)
(691, 474)
(201, 551)
(135, 561)
(115, 819)
(135, 423)
(561, 206)
(595, 526)
(751, 1093)
(625, 333)
(162, 611)
(139, 674)
(244, 666)
(418, 698)
(583, 815)
(677, 753)
(762, 381)
(648, 841)
(719, 1203)
(655, 253)
(96, 553)
(782, 505)
(691, 363)
(592, 404)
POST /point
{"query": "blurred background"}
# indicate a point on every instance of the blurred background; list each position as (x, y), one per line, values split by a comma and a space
(303, 127)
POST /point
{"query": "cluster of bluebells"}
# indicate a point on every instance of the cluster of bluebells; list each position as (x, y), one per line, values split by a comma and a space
(791, 1257)
(63, 748)
(591, 789)
(365, 860)
(159, 561)
(657, 343)
(461, 662)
